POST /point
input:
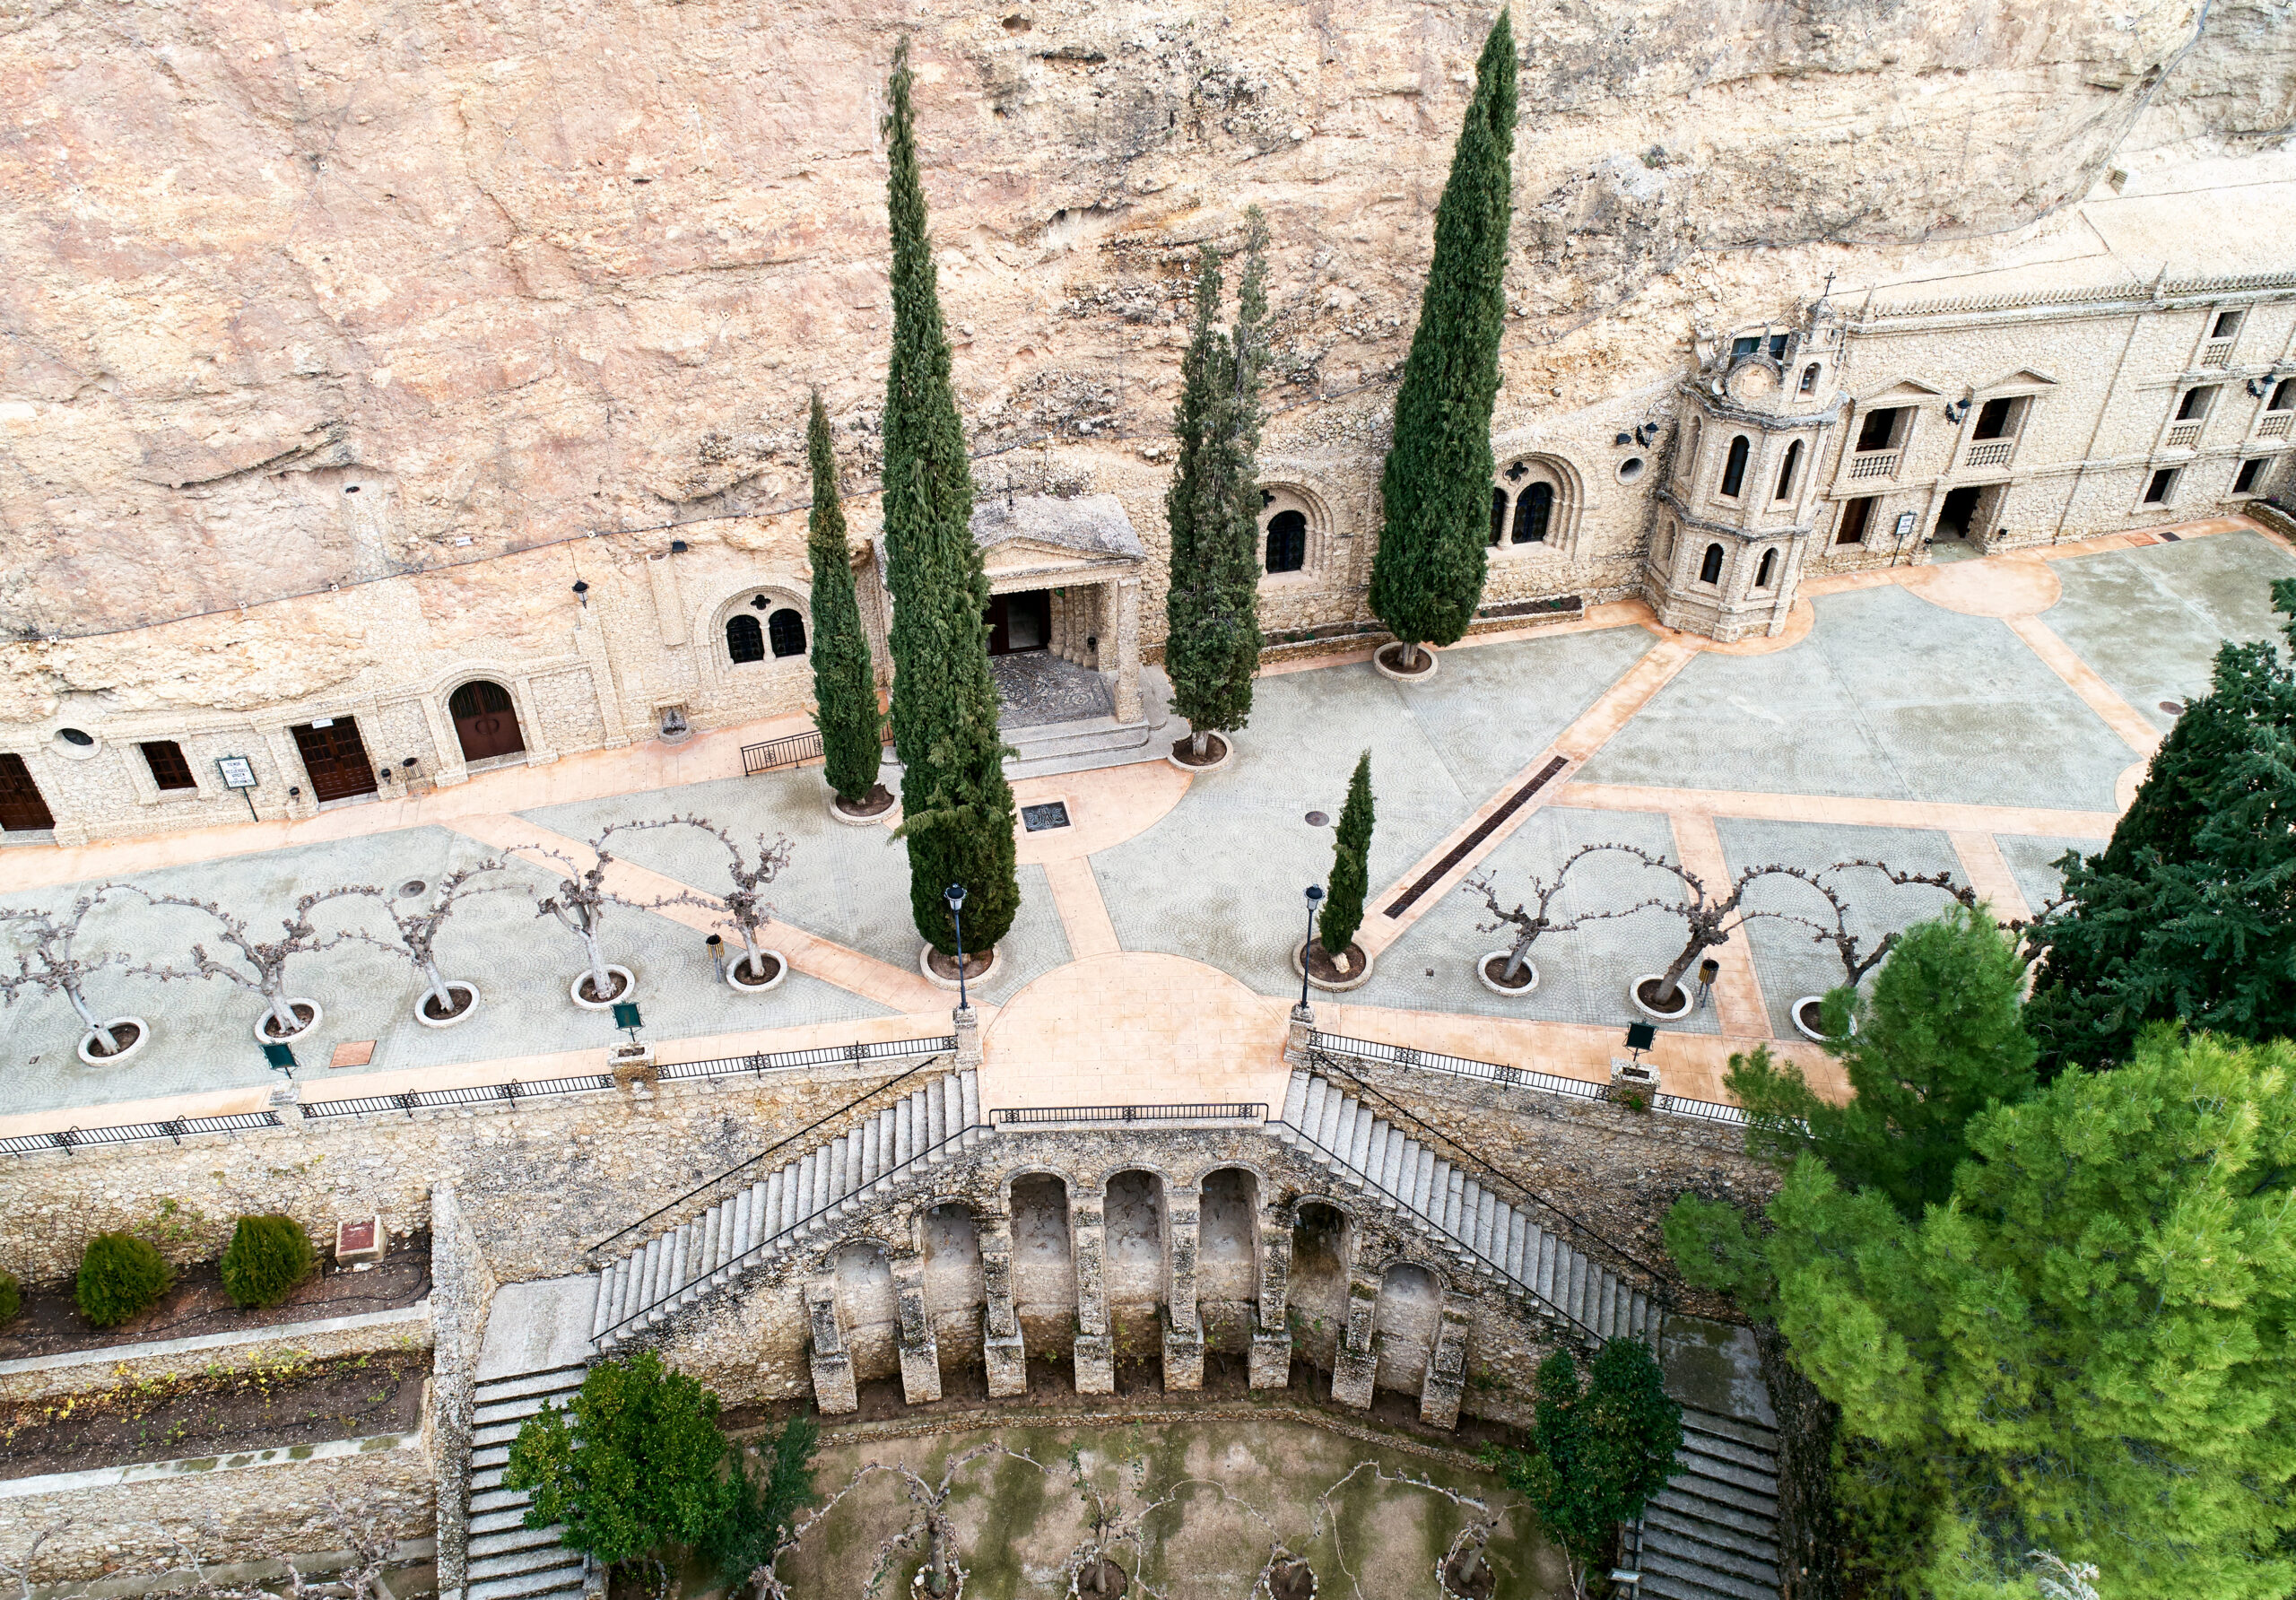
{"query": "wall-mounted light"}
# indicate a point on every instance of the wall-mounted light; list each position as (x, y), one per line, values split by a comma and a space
(679, 547)
(1623, 438)
(582, 593)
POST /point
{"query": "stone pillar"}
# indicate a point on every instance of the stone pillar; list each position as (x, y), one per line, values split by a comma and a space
(1183, 1321)
(921, 1351)
(1088, 1247)
(1123, 617)
(1357, 1363)
(1271, 1361)
(1001, 1344)
(832, 1367)
(669, 609)
(965, 1024)
(1300, 1036)
(1447, 1366)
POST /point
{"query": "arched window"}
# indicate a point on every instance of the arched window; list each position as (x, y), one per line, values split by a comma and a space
(1287, 541)
(1810, 377)
(1734, 471)
(1689, 468)
(1532, 512)
(1498, 514)
(1710, 570)
(785, 630)
(1763, 572)
(744, 639)
(1785, 472)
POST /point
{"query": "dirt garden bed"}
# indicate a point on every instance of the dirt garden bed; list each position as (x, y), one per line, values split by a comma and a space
(50, 1323)
(291, 1402)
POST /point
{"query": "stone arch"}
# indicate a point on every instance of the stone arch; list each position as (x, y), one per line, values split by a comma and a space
(1405, 1325)
(1789, 470)
(868, 1306)
(1766, 571)
(1536, 500)
(1137, 1207)
(743, 607)
(1686, 468)
(1735, 465)
(1323, 1248)
(954, 1283)
(1044, 1259)
(1293, 508)
(1710, 566)
(1227, 1256)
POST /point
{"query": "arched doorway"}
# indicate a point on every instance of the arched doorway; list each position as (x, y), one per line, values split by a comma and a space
(1404, 1325)
(954, 1283)
(869, 1308)
(486, 724)
(1318, 1292)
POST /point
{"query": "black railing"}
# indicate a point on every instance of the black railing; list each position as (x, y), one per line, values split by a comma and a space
(1523, 1077)
(1225, 1111)
(774, 754)
(178, 1129)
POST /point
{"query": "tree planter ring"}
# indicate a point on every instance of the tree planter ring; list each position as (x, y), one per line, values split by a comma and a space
(1336, 986)
(925, 965)
(263, 1035)
(1807, 1029)
(1396, 674)
(737, 976)
(626, 982)
(1485, 961)
(875, 819)
(92, 1040)
(1291, 1589)
(1225, 743)
(1477, 1591)
(1634, 994)
(467, 1010)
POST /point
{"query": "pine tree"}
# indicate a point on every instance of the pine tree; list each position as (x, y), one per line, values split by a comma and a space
(2185, 915)
(1426, 578)
(1351, 865)
(844, 681)
(1212, 610)
(957, 815)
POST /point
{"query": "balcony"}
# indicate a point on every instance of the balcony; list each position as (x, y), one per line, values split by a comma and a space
(1990, 452)
(2183, 436)
(1874, 464)
(2274, 424)
(2217, 352)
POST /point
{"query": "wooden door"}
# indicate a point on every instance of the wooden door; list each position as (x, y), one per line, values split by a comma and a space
(22, 809)
(999, 617)
(335, 757)
(485, 721)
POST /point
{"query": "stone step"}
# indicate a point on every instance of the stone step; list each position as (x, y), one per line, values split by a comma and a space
(499, 1500)
(563, 1579)
(488, 1391)
(496, 1433)
(486, 1456)
(1716, 1560)
(1716, 1446)
(499, 1519)
(488, 1479)
(506, 1541)
(534, 1558)
(1698, 1471)
(518, 1408)
(1687, 1514)
(1756, 1543)
(1669, 1577)
(1739, 1428)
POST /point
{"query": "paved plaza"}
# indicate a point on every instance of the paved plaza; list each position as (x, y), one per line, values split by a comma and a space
(1981, 718)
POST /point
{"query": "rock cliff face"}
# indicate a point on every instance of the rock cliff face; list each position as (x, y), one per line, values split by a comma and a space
(305, 294)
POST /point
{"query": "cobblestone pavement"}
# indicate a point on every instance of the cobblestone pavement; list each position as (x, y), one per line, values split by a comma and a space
(1982, 717)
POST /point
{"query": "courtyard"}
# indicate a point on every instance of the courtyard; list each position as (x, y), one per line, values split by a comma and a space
(1980, 718)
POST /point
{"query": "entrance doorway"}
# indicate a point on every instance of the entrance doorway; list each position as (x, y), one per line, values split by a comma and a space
(22, 809)
(1022, 622)
(486, 722)
(335, 757)
(1966, 514)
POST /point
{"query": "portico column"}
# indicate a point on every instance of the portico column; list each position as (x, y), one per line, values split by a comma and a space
(1271, 1358)
(1095, 1356)
(921, 1351)
(1001, 1344)
(1184, 1324)
(833, 1391)
(1123, 617)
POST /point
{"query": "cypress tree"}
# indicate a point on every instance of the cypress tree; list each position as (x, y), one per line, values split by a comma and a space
(1435, 488)
(845, 681)
(1212, 610)
(957, 815)
(1351, 865)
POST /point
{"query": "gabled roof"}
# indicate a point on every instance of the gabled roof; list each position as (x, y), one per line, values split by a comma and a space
(2023, 377)
(1093, 525)
(1905, 389)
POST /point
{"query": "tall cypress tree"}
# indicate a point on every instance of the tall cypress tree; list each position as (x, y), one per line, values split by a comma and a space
(844, 681)
(958, 814)
(1351, 865)
(1426, 578)
(1212, 610)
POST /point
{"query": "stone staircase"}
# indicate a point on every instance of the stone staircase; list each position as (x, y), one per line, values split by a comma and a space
(675, 1267)
(1343, 1133)
(508, 1559)
(1712, 1533)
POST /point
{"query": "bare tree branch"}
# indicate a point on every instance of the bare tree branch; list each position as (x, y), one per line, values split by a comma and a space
(264, 969)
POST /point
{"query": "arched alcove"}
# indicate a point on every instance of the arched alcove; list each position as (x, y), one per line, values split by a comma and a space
(954, 1291)
(1044, 1266)
(1404, 1325)
(869, 1308)
(1226, 1257)
(1321, 1240)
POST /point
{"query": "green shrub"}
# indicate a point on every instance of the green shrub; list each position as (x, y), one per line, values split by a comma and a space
(119, 1276)
(12, 1297)
(267, 1257)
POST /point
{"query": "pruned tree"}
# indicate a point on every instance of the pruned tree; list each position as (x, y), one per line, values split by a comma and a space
(417, 919)
(1532, 925)
(1120, 1519)
(262, 966)
(1858, 958)
(1464, 1563)
(747, 911)
(582, 897)
(1706, 913)
(931, 1529)
(49, 961)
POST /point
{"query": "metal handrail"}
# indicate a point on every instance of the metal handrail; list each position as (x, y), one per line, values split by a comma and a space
(948, 1045)
(1523, 1077)
(764, 1244)
(1231, 1111)
(176, 1128)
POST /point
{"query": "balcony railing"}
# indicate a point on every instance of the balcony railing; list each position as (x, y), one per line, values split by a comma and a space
(2274, 424)
(1990, 452)
(2184, 435)
(2217, 352)
(1874, 464)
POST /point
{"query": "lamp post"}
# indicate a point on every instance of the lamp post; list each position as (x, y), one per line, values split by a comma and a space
(1307, 951)
(955, 895)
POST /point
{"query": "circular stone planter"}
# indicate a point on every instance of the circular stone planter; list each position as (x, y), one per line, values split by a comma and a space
(1289, 1579)
(1333, 985)
(1223, 748)
(872, 817)
(91, 1042)
(1486, 1582)
(973, 974)
(625, 980)
(265, 1035)
(465, 1008)
(1379, 665)
(1490, 964)
(737, 976)
(1807, 1026)
(1634, 994)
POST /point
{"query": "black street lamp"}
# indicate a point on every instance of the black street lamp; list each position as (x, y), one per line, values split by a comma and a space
(955, 895)
(1307, 951)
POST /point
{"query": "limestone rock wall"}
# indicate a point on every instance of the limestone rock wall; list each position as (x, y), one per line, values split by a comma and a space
(299, 299)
